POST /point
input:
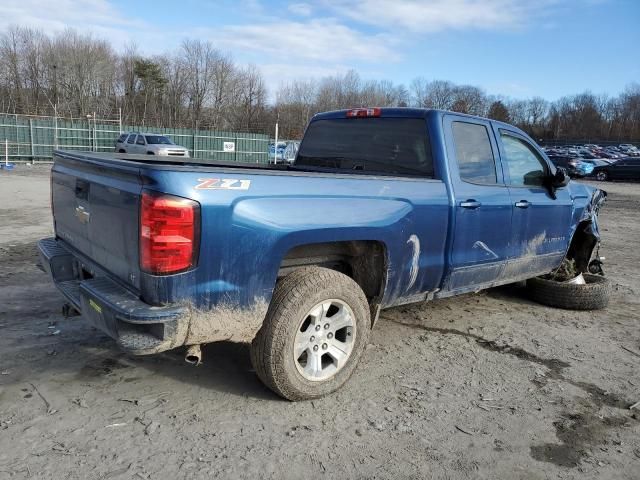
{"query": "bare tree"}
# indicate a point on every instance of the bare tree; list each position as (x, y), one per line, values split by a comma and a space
(198, 60)
(198, 85)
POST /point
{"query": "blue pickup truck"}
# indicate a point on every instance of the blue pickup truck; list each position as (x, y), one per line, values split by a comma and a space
(382, 207)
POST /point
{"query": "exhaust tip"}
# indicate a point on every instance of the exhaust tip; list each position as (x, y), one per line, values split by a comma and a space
(193, 355)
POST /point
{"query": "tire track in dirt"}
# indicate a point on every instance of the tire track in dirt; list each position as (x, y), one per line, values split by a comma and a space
(576, 431)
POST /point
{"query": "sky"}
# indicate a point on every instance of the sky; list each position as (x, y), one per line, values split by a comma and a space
(514, 48)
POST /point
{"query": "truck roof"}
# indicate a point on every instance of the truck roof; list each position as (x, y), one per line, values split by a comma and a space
(406, 112)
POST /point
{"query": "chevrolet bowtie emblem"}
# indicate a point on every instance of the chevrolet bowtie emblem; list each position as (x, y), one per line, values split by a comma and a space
(82, 214)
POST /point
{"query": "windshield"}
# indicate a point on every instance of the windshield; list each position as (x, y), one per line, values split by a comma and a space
(368, 145)
(157, 140)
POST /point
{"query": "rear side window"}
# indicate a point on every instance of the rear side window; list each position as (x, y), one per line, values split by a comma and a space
(393, 146)
(473, 153)
(140, 140)
(122, 138)
(158, 140)
(524, 164)
(132, 138)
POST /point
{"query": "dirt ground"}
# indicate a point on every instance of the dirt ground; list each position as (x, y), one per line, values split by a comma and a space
(486, 385)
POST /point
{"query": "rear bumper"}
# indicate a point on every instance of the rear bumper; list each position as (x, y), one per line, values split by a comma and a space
(137, 327)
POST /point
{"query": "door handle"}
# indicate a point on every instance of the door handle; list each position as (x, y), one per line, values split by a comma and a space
(522, 204)
(472, 204)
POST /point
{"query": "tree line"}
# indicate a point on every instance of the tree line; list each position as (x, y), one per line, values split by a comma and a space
(200, 86)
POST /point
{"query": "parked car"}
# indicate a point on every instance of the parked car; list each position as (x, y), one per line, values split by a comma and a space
(597, 162)
(280, 155)
(630, 150)
(382, 207)
(574, 166)
(586, 154)
(291, 151)
(608, 154)
(624, 169)
(149, 144)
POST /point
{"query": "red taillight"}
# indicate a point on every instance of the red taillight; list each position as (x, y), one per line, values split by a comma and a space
(169, 233)
(363, 112)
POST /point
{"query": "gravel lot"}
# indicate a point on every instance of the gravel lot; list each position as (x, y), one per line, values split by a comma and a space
(486, 385)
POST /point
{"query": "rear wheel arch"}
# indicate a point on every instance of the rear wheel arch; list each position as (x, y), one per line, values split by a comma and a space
(365, 261)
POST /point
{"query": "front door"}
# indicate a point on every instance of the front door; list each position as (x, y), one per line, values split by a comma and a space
(541, 224)
(482, 222)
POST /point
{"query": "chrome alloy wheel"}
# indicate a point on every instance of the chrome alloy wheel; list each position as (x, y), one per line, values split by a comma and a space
(324, 340)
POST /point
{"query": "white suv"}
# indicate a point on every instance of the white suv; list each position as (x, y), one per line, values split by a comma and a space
(149, 144)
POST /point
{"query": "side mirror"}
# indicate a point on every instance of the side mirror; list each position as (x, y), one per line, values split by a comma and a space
(557, 180)
(561, 178)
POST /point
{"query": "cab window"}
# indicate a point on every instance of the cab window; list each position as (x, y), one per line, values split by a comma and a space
(474, 154)
(387, 146)
(524, 165)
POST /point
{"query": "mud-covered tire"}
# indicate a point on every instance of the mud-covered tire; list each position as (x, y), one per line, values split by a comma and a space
(294, 296)
(592, 296)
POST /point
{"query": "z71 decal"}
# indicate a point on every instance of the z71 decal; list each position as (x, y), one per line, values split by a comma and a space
(222, 184)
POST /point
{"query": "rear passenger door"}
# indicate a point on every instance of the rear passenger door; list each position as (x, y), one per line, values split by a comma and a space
(482, 223)
(541, 224)
(141, 144)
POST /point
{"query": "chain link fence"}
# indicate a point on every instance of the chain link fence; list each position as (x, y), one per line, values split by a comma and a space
(27, 138)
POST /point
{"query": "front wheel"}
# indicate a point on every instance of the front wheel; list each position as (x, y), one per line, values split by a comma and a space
(602, 176)
(314, 333)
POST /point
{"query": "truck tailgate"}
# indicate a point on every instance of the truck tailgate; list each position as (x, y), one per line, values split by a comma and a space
(96, 209)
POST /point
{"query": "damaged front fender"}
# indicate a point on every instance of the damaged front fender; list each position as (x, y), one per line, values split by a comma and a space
(583, 249)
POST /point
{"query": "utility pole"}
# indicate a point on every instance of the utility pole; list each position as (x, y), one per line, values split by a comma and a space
(55, 84)
(275, 145)
(95, 136)
(55, 126)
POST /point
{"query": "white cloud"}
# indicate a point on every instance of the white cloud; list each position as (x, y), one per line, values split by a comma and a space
(302, 9)
(321, 40)
(437, 15)
(278, 74)
(268, 38)
(97, 17)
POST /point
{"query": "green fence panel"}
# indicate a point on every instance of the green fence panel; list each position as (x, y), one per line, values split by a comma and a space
(35, 138)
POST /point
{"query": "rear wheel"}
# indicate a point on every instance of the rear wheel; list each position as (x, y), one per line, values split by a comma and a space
(602, 176)
(313, 335)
